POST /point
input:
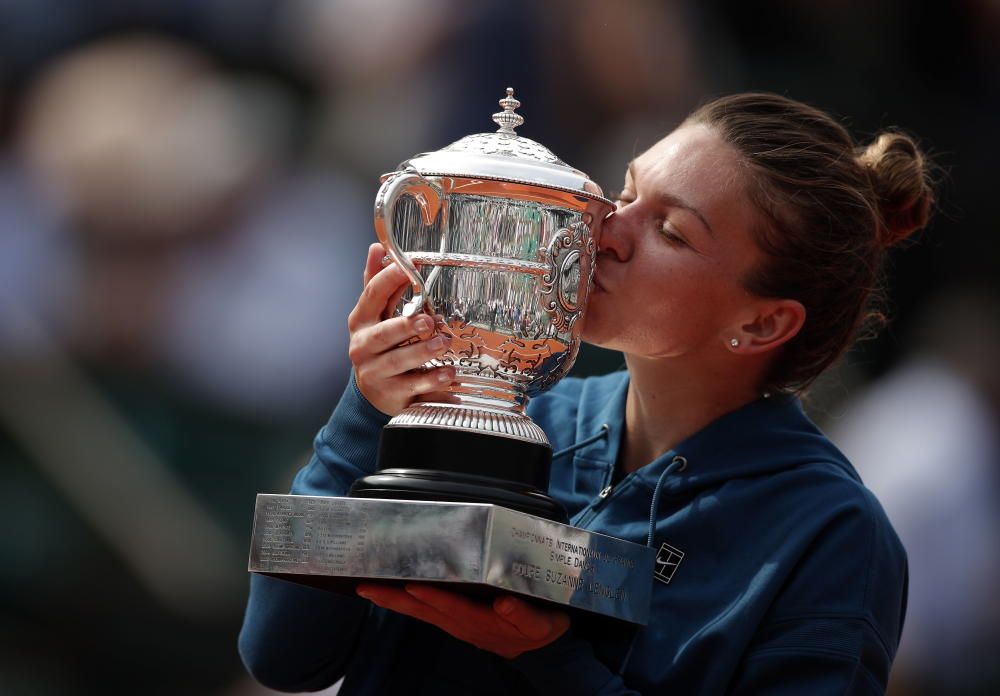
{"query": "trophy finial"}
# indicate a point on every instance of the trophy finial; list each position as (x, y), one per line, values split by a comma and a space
(507, 119)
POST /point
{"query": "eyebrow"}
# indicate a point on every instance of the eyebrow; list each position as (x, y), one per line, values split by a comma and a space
(673, 201)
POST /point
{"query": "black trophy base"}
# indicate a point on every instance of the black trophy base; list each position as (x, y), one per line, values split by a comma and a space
(448, 486)
(434, 464)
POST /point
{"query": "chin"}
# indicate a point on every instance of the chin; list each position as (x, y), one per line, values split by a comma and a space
(597, 337)
(602, 325)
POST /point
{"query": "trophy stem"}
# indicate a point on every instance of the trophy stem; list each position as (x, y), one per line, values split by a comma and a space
(455, 487)
(464, 453)
(488, 393)
(471, 418)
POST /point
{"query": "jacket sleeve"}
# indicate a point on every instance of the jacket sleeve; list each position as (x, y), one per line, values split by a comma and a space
(297, 638)
(835, 626)
(815, 655)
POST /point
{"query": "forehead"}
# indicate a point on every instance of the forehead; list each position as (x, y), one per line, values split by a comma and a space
(692, 162)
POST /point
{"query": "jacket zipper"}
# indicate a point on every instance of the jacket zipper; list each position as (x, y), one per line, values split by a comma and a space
(596, 506)
(609, 489)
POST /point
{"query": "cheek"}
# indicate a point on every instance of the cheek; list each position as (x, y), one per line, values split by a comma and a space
(693, 304)
(670, 304)
(693, 288)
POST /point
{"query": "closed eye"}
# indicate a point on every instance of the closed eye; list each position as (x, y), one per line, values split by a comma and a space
(668, 233)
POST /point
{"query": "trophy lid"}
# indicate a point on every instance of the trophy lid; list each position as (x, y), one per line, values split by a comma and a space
(506, 156)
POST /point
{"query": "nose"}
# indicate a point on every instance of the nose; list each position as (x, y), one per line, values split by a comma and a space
(615, 239)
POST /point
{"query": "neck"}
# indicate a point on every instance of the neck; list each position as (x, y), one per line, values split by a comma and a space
(669, 401)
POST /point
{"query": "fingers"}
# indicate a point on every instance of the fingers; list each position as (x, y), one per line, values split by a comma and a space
(455, 621)
(377, 260)
(390, 333)
(449, 603)
(375, 297)
(421, 383)
(398, 361)
(366, 343)
(400, 601)
(376, 252)
(531, 622)
(465, 619)
(387, 373)
(502, 628)
(390, 306)
(528, 621)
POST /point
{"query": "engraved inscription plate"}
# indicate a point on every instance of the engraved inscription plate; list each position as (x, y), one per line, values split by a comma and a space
(353, 537)
(569, 565)
(306, 538)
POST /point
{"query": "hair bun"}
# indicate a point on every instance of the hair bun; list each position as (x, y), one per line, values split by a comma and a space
(900, 175)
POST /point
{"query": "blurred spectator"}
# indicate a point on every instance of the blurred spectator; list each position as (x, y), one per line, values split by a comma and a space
(172, 308)
(193, 245)
(926, 440)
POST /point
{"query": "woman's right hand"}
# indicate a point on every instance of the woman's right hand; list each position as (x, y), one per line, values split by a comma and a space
(386, 372)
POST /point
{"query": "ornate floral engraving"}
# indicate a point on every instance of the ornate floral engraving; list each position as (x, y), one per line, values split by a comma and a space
(566, 284)
(505, 144)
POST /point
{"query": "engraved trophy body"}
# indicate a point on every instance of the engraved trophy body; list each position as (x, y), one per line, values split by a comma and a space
(497, 235)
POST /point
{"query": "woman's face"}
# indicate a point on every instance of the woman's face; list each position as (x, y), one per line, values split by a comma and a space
(672, 257)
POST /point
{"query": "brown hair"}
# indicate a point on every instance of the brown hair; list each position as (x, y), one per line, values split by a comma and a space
(828, 211)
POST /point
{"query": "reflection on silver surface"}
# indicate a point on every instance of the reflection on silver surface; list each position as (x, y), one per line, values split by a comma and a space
(511, 278)
(465, 543)
(488, 267)
(496, 234)
(507, 156)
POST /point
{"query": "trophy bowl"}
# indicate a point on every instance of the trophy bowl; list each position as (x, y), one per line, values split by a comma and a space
(498, 236)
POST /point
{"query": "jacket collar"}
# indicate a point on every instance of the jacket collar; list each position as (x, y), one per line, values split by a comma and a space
(763, 436)
(603, 403)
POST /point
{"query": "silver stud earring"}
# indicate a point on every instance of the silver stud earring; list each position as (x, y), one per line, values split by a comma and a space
(734, 342)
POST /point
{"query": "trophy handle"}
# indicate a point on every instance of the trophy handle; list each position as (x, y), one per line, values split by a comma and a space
(429, 200)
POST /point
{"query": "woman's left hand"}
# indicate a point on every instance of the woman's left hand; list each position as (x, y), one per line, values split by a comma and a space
(507, 627)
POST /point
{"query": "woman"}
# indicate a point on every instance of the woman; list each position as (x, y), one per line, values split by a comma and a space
(741, 260)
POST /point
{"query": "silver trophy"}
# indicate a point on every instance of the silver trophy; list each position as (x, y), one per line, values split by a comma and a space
(497, 235)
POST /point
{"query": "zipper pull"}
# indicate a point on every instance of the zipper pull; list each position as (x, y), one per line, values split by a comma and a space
(590, 511)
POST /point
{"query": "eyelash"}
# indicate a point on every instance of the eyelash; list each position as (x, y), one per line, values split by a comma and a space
(674, 238)
(670, 236)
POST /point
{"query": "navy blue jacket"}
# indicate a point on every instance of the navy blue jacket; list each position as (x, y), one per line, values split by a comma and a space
(788, 578)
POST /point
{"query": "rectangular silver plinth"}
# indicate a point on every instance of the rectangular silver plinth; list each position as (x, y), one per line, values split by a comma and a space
(335, 542)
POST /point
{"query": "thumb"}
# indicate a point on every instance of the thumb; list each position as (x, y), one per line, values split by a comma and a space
(374, 262)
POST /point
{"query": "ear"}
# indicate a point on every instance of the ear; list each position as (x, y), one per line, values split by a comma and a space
(776, 323)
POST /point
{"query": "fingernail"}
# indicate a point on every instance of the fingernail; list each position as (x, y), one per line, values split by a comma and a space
(424, 323)
(436, 342)
(444, 376)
